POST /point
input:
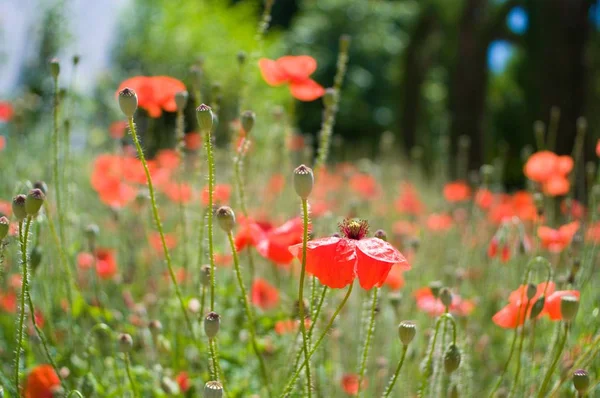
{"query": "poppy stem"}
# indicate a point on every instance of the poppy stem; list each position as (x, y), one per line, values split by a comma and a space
(520, 352)
(557, 356)
(427, 371)
(238, 274)
(390, 386)
(158, 223)
(209, 220)
(201, 228)
(298, 369)
(317, 311)
(365, 351)
(24, 285)
(301, 296)
(129, 376)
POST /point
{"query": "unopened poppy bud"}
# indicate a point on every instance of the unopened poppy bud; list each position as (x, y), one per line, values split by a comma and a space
(128, 102)
(395, 299)
(435, 288)
(329, 97)
(41, 185)
(241, 57)
(451, 358)
(205, 275)
(125, 342)
(407, 331)
(569, 305)
(581, 381)
(181, 99)
(155, 327)
(537, 307)
(213, 389)
(204, 116)
(380, 234)
(91, 232)
(344, 43)
(54, 68)
(34, 201)
(446, 297)
(4, 227)
(226, 218)
(303, 181)
(212, 322)
(248, 119)
(18, 207)
(531, 291)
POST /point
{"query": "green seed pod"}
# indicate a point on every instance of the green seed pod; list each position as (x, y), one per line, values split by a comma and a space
(181, 99)
(212, 322)
(451, 358)
(435, 288)
(155, 327)
(213, 389)
(205, 275)
(248, 118)
(34, 202)
(446, 297)
(41, 185)
(537, 307)
(91, 233)
(303, 181)
(18, 207)
(54, 68)
(205, 118)
(226, 218)
(407, 331)
(581, 381)
(380, 234)
(4, 227)
(128, 102)
(569, 305)
(531, 291)
(125, 342)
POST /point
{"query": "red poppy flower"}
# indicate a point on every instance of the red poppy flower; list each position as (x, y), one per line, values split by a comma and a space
(192, 141)
(183, 380)
(274, 244)
(484, 198)
(264, 295)
(408, 202)
(337, 261)
(575, 210)
(289, 325)
(6, 111)
(8, 302)
(545, 165)
(2, 142)
(365, 185)
(513, 314)
(155, 94)
(433, 306)
(156, 241)
(41, 382)
(457, 191)
(106, 264)
(85, 260)
(221, 194)
(598, 148)
(249, 233)
(439, 222)
(178, 192)
(295, 71)
(556, 240)
(223, 260)
(350, 384)
(556, 186)
(5, 208)
(552, 304)
(117, 129)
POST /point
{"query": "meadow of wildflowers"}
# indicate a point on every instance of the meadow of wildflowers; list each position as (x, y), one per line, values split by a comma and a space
(251, 265)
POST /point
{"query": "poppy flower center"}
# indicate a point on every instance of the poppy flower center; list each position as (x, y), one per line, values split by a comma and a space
(354, 229)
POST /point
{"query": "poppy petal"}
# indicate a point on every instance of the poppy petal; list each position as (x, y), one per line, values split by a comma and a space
(272, 72)
(507, 317)
(306, 90)
(552, 305)
(298, 67)
(375, 259)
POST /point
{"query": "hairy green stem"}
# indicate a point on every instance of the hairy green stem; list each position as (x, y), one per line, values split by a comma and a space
(301, 295)
(365, 351)
(209, 221)
(24, 286)
(519, 352)
(390, 386)
(129, 376)
(557, 356)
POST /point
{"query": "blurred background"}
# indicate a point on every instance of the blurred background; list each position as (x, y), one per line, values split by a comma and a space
(422, 73)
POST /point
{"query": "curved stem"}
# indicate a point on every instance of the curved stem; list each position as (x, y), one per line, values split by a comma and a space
(365, 353)
(301, 296)
(317, 312)
(390, 386)
(238, 274)
(550, 370)
(290, 384)
(130, 377)
(158, 223)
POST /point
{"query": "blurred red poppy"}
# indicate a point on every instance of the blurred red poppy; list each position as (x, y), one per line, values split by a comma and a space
(295, 71)
(433, 306)
(350, 384)
(2, 142)
(183, 380)
(439, 222)
(106, 263)
(337, 261)
(556, 240)
(549, 169)
(117, 129)
(484, 198)
(457, 191)
(6, 111)
(178, 192)
(395, 279)
(264, 295)
(552, 304)
(221, 194)
(365, 185)
(42, 382)
(192, 141)
(289, 325)
(155, 94)
(8, 302)
(513, 314)
(408, 201)
(274, 244)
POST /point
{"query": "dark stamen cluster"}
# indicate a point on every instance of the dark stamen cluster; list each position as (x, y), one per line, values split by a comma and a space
(354, 229)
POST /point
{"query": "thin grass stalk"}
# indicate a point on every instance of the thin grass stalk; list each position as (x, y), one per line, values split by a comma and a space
(367, 345)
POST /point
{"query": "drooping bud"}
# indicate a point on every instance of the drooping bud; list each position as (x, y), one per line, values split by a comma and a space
(451, 358)
(248, 118)
(569, 305)
(34, 201)
(531, 291)
(18, 207)
(303, 181)
(41, 185)
(205, 275)
(226, 218)
(537, 307)
(125, 342)
(581, 381)
(91, 233)
(407, 331)
(155, 327)
(212, 322)
(204, 116)
(54, 68)
(329, 97)
(446, 297)
(380, 234)
(128, 102)
(181, 99)
(435, 288)
(4, 227)
(213, 389)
